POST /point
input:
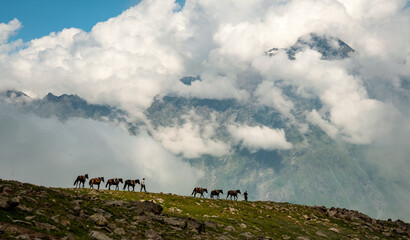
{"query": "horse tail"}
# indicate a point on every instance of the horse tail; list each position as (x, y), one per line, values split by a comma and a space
(193, 191)
(125, 184)
(107, 183)
(75, 182)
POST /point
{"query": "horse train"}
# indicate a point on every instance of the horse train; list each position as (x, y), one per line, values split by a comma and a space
(132, 183)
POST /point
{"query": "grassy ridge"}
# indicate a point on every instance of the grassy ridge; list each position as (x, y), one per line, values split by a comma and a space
(67, 213)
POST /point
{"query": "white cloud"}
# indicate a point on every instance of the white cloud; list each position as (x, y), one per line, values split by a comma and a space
(267, 94)
(9, 29)
(255, 138)
(314, 118)
(192, 139)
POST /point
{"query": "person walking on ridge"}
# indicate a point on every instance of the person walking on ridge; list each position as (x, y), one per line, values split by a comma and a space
(245, 194)
(143, 185)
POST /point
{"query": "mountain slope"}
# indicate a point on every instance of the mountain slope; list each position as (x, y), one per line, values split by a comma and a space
(28, 212)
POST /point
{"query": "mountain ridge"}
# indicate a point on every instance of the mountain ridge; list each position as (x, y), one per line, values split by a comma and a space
(29, 211)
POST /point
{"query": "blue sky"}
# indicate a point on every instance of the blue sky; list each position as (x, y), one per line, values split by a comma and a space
(40, 17)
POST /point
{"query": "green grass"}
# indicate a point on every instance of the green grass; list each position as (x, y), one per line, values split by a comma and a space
(261, 219)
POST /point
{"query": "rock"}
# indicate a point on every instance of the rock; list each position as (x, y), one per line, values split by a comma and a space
(174, 209)
(8, 204)
(285, 237)
(210, 224)
(99, 236)
(247, 235)
(65, 223)
(119, 231)
(46, 226)
(180, 223)
(145, 207)
(302, 238)
(242, 225)
(24, 236)
(99, 219)
(229, 228)
(334, 230)
(194, 224)
(22, 222)
(117, 203)
(55, 219)
(25, 209)
(29, 218)
(319, 233)
(151, 234)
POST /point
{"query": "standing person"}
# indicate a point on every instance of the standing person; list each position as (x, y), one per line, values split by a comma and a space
(143, 185)
(245, 194)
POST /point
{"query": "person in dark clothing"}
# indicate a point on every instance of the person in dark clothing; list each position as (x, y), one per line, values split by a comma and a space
(245, 194)
(143, 185)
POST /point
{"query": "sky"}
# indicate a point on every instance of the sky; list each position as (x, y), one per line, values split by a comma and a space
(127, 53)
(39, 18)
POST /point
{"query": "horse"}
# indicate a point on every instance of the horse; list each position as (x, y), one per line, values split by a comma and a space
(234, 194)
(80, 179)
(200, 191)
(96, 181)
(114, 181)
(216, 193)
(131, 183)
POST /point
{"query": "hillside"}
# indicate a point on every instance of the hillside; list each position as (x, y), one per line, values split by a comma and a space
(34, 212)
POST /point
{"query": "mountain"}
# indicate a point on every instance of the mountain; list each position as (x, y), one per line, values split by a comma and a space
(317, 170)
(34, 212)
(329, 47)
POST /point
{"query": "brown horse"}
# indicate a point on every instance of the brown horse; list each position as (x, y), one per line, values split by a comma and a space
(96, 181)
(234, 194)
(131, 183)
(80, 179)
(200, 191)
(114, 181)
(216, 193)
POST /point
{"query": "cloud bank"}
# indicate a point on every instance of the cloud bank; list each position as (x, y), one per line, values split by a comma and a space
(255, 138)
(129, 59)
(52, 153)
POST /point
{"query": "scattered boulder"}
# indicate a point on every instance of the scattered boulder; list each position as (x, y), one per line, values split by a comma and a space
(321, 234)
(210, 224)
(229, 228)
(242, 225)
(176, 222)
(151, 234)
(99, 219)
(247, 235)
(99, 236)
(194, 224)
(8, 204)
(145, 207)
(117, 203)
(119, 231)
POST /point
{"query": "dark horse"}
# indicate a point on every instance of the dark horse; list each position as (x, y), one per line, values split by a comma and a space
(114, 181)
(200, 191)
(216, 193)
(234, 194)
(131, 183)
(80, 179)
(96, 181)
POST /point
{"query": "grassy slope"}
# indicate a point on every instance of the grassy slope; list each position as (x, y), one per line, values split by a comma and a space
(256, 219)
